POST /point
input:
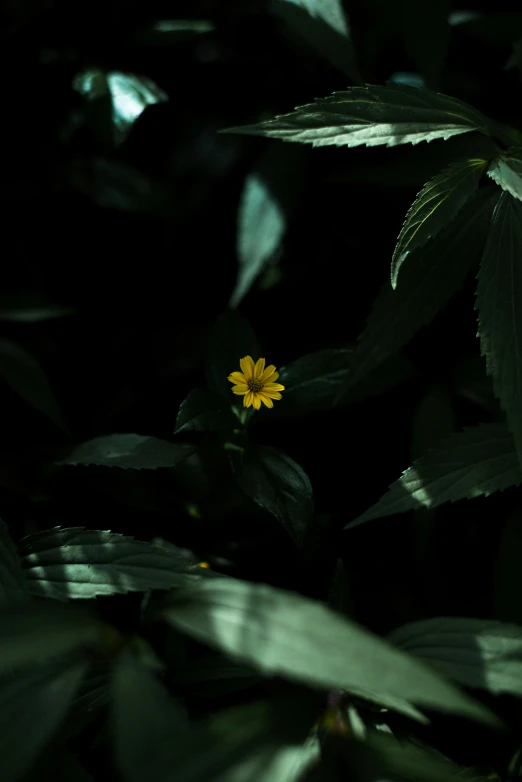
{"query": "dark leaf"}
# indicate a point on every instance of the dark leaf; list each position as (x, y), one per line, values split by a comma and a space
(204, 411)
(231, 338)
(13, 584)
(425, 30)
(129, 451)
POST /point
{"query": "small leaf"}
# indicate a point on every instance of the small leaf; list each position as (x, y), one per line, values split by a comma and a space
(204, 411)
(168, 31)
(32, 707)
(435, 206)
(324, 25)
(373, 115)
(30, 308)
(74, 563)
(278, 485)
(506, 171)
(231, 338)
(129, 451)
(22, 372)
(433, 273)
(150, 728)
(478, 461)
(499, 302)
(128, 96)
(425, 30)
(36, 631)
(13, 584)
(284, 634)
(266, 201)
(479, 653)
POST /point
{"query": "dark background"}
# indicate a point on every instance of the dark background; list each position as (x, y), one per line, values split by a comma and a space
(140, 242)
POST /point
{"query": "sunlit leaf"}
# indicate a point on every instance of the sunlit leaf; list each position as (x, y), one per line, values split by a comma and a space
(478, 461)
(506, 171)
(284, 634)
(435, 206)
(499, 302)
(129, 451)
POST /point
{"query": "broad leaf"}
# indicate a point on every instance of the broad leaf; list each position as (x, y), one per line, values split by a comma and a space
(373, 115)
(37, 631)
(478, 461)
(499, 303)
(425, 30)
(435, 206)
(23, 373)
(167, 31)
(277, 484)
(480, 653)
(231, 338)
(266, 201)
(324, 25)
(125, 95)
(431, 276)
(204, 411)
(74, 563)
(285, 634)
(30, 308)
(13, 584)
(32, 707)
(129, 451)
(506, 171)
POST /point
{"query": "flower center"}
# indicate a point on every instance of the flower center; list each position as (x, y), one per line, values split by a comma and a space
(255, 385)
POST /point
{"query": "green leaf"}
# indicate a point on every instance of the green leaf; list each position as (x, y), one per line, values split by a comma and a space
(284, 634)
(204, 411)
(478, 461)
(40, 630)
(425, 30)
(231, 338)
(167, 31)
(32, 707)
(125, 95)
(506, 171)
(373, 115)
(324, 25)
(266, 201)
(149, 727)
(23, 374)
(129, 451)
(499, 302)
(480, 653)
(435, 206)
(433, 273)
(30, 308)
(74, 563)
(13, 584)
(278, 485)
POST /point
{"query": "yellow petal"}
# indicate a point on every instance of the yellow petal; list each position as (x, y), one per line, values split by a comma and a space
(266, 400)
(273, 387)
(237, 377)
(259, 368)
(247, 399)
(273, 394)
(267, 374)
(247, 366)
(240, 389)
(257, 401)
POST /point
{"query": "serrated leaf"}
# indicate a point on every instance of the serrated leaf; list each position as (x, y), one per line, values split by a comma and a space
(41, 630)
(13, 584)
(23, 374)
(506, 171)
(278, 485)
(149, 727)
(204, 411)
(425, 30)
(478, 461)
(428, 280)
(126, 95)
(480, 653)
(266, 201)
(284, 634)
(74, 563)
(373, 115)
(231, 338)
(129, 451)
(499, 302)
(324, 25)
(435, 206)
(32, 706)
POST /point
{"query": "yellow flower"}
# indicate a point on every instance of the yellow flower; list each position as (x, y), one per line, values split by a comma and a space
(255, 383)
